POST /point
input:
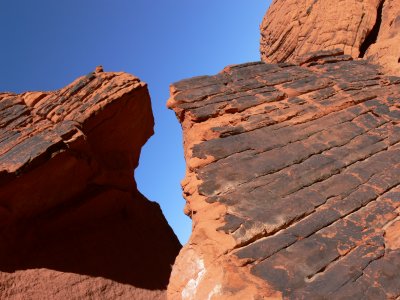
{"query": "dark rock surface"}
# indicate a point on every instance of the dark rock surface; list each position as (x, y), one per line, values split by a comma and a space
(293, 181)
(72, 222)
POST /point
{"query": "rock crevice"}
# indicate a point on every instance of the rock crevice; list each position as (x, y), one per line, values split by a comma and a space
(372, 36)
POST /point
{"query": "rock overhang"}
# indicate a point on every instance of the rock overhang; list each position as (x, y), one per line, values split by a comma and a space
(73, 223)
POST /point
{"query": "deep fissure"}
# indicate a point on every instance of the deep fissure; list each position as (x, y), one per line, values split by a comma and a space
(372, 36)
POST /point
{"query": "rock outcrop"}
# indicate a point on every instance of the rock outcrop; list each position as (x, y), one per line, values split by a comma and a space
(293, 179)
(368, 29)
(72, 222)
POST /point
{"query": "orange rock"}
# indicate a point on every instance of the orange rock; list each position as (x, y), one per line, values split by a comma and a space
(392, 235)
(369, 29)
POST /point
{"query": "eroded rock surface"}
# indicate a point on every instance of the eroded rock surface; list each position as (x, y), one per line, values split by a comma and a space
(293, 181)
(72, 222)
(368, 28)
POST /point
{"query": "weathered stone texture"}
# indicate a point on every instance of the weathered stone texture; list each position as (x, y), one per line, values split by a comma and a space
(72, 222)
(293, 181)
(368, 28)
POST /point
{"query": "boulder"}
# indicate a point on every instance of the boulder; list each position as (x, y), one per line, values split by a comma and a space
(363, 29)
(73, 224)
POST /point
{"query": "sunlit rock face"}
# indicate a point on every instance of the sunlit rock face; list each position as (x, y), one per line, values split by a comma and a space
(292, 181)
(72, 223)
(363, 29)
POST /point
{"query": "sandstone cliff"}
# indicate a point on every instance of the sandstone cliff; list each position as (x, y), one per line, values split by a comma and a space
(293, 180)
(367, 29)
(72, 222)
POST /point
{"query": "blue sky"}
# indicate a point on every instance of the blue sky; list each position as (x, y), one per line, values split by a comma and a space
(46, 44)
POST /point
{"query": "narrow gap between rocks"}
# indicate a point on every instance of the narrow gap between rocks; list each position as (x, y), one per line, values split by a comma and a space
(373, 34)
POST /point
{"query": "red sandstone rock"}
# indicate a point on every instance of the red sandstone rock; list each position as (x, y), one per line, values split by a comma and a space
(292, 181)
(72, 222)
(368, 28)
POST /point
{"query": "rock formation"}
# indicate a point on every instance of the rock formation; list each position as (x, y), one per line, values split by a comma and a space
(292, 179)
(367, 28)
(293, 175)
(72, 222)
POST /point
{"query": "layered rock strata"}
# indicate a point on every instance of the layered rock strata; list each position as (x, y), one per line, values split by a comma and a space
(292, 182)
(368, 29)
(72, 223)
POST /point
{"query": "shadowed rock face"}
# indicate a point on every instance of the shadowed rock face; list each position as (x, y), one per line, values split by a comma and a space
(293, 181)
(72, 222)
(367, 28)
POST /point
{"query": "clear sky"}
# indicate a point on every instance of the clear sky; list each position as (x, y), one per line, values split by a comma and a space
(46, 44)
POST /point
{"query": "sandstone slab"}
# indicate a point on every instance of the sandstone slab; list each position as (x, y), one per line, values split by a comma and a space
(292, 181)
